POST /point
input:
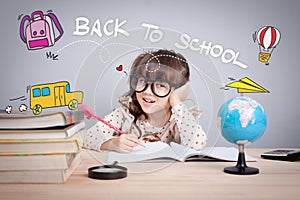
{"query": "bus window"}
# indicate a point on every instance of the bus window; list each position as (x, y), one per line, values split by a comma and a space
(45, 91)
(36, 92)
(68, 88)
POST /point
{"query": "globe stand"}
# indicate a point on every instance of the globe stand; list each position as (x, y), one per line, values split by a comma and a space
(241, 168)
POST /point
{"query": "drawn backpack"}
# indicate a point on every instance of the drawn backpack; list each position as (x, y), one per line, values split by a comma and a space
(39, 32)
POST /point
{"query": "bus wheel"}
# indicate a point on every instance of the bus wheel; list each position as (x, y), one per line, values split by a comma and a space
(37, 109)
(73, 104)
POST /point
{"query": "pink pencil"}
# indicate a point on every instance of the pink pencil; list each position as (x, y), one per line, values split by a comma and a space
(89, 114)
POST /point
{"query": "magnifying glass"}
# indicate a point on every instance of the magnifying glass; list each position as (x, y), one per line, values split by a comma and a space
(107, 172)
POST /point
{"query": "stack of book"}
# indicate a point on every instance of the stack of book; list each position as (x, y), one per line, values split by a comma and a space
(40, 149)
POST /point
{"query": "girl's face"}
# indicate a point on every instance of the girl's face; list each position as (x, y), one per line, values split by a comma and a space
(152, 104)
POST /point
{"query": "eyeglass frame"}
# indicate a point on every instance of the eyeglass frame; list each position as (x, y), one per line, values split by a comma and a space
(147, 80)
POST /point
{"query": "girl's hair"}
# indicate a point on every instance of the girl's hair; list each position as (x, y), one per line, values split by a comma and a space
(162, 64)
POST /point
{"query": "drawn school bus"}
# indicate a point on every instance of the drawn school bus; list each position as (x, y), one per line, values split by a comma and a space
(53, 95)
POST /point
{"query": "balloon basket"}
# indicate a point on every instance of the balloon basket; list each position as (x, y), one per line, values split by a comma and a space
(264, 57)
(241, 168)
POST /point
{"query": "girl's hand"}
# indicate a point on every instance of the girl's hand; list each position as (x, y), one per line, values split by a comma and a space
(179, 95)
(123, 144)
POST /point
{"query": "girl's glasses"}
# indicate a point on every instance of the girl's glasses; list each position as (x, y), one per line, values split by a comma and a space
(160, 88)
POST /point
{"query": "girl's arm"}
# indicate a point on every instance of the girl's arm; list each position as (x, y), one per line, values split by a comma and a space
(100, 136)
(190, 132)
(123, 144)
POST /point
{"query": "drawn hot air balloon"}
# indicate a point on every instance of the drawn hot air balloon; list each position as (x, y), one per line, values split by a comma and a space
(268, 38)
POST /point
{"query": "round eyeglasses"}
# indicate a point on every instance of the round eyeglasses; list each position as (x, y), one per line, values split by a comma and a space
(160, 88)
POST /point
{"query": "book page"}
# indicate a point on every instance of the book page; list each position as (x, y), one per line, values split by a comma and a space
(150, 147)
(183, 152)
(217, 153)
(151, 151)
(224, 153)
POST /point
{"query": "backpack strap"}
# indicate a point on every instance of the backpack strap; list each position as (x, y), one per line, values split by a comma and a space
(22, 34)
(57, 24)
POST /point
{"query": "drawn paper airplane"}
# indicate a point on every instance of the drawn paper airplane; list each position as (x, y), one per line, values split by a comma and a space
(246, 85)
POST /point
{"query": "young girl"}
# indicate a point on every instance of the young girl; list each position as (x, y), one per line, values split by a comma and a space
(153, 109)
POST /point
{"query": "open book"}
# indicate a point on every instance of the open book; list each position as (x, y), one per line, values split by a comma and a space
(160, 151)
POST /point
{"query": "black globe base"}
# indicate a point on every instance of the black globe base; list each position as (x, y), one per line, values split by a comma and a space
(241, 168)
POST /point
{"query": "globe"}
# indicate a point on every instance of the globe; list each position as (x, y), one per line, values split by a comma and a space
(241, 119)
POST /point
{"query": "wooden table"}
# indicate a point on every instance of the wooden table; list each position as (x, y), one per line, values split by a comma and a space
(189, 180)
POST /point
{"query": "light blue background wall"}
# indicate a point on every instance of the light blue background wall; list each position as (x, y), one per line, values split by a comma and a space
(226, 23)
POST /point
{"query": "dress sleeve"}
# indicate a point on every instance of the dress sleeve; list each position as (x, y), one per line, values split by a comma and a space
(190, 131)
(100, 133)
